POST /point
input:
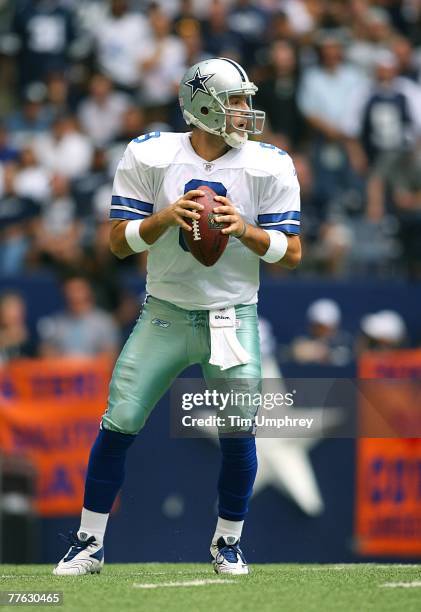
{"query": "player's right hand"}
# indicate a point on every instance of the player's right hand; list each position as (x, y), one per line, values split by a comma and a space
(183, 208)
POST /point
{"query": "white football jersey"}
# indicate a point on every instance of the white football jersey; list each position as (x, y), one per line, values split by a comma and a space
(258, 178)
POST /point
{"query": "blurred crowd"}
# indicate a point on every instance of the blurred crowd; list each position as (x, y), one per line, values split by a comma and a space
(326, 342)
(340, 81)
(82, 327)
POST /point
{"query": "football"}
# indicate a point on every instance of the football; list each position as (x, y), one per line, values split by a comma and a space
(206, 242)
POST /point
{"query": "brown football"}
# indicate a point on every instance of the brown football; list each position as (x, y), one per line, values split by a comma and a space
(206, 242)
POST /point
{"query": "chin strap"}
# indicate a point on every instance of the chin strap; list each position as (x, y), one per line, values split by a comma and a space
(235, 139)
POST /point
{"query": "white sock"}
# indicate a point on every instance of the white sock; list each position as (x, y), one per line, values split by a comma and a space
(93, 523)
(227, 528)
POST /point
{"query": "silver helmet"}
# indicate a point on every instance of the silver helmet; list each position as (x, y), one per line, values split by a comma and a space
(204, 96)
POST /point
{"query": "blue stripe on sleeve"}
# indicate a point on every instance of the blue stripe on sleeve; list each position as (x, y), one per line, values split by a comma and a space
(132, 203)
(284, 227)
(291, 215)
(126, 214)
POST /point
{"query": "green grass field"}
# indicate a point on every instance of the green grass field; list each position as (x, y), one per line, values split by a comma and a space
(182, 587)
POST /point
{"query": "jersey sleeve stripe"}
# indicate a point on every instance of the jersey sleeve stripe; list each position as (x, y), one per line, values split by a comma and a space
(133, 210)
(288, 228)
(287, 222)
(277, 217)
(132, 203)
(118, 212)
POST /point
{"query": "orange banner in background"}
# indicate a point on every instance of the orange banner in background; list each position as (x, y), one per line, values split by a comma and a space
(50, 412)
(388, 469)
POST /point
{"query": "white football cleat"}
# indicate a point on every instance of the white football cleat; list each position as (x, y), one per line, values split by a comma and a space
(227, 557)
(85, 556)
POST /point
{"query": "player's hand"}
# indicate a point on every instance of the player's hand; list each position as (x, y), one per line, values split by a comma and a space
(184, 208)
(227, 213)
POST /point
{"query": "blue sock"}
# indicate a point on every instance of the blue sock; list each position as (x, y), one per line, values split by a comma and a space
(237, 475)
(105, 473)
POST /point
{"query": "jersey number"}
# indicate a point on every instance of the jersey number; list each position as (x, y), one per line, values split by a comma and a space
(266, 145)
(146, 137)
(218, 188)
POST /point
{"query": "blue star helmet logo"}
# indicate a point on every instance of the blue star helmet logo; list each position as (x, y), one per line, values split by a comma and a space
(198, 83)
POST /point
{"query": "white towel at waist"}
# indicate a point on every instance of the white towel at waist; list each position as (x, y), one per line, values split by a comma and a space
(226, 350)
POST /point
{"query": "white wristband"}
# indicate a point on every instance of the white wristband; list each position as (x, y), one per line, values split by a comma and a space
(277, 247)
(133, 239)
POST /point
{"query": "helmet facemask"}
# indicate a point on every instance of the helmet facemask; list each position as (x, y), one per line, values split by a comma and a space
(254, 119)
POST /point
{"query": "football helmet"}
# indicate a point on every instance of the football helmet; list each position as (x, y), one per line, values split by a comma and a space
(204, 95)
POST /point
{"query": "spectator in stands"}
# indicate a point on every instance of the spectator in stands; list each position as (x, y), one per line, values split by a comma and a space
(15, 338)
(133, 125)
(100, 114)
(326, 343)
(327, 237)
(87, 185)
(219, 39)
(186, 12)
(81, 328)
(281, 28)
(104, 271)
(249, 21)
(302, 16)
(323, 98)
(335, 15)
(387, 113)
(59, 97)
(119, 37)
(32, 180)
(29, 120)
(189, 32)
(163, 63)
(382, 331)
(17, 217)
(375, 35)
(406, 203)
(277, 95)
(315, 208)
(65, 150)
(44, 31)
(405, 57)
(59, 231)
(386, 116)
(8, 153)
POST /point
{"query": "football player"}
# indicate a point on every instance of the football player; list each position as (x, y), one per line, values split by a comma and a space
(153, 198)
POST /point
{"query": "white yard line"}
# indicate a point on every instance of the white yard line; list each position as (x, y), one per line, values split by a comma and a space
(185, 583)
(361, 566)
(181, 572)
(20, 576)
(415, 584)
(399, 565)
(325, 569)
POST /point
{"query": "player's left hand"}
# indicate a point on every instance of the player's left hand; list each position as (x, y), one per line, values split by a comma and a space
(227, 213)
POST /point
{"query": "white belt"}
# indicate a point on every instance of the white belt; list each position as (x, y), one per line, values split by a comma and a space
(226, 350)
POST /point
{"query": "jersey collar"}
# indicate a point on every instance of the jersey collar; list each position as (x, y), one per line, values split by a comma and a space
(216, 163)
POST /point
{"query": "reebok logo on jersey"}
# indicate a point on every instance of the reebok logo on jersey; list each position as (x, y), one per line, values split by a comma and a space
(160, 323)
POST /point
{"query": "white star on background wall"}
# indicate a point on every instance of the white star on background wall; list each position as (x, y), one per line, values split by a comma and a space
(284, 463)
